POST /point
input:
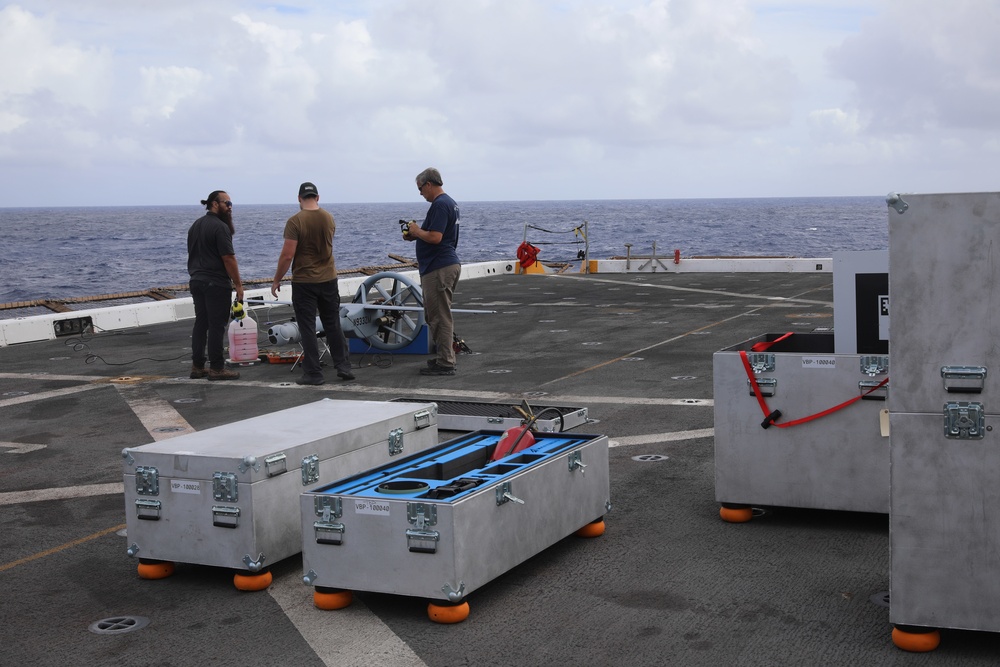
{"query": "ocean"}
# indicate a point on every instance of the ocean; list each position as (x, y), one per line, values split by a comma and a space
(74, 252)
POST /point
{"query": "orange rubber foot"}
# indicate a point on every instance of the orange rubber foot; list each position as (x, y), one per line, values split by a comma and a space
(592, 529)
(916, 642)
(157, 569)
(252, 582)
(447, 613)
(735, 514)
(331, 598)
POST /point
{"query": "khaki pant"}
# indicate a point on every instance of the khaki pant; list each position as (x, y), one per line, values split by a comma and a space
(438, 288)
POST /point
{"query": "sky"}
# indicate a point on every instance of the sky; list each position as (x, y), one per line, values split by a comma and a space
(145, 102)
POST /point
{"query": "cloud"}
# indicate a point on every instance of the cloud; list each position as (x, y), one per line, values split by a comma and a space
(163, 88)
(51, 100)
(925, 65)
(521, 71)
(517, 99)
(75, 75)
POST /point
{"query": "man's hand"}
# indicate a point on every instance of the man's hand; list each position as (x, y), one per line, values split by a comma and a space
(410, 235)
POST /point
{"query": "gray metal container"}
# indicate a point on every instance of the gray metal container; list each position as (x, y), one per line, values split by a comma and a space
(944, 274)
(476, 415)
(837, 462)
(356, 538)
(228, 496)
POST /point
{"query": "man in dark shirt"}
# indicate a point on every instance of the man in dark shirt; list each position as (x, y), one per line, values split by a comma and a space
(214, 272)
(439, 267)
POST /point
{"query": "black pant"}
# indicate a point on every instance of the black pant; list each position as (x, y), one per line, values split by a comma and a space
(307, 299)
(212, 307)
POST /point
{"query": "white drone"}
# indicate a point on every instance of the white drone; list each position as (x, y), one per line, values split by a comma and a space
(387, 312)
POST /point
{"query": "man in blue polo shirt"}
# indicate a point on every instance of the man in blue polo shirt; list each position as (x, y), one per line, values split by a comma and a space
(439, 267)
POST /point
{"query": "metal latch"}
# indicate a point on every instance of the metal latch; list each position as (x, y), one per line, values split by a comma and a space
(964, 379)
(225, 517)
(147, 481)
(504, 495)
(276, 464)
(422, 515)
(576, 461)
(327, 531)
(874, 365)
(871, 391)
(761, 362)
(422, 419)
(225, 487)
(328, 507)
(310, 469)
(420, 539)
(964, 420)
(148, 510)
(767, 386)
(395, 441)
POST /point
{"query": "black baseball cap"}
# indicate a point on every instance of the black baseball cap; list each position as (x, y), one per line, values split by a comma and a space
(308, 190)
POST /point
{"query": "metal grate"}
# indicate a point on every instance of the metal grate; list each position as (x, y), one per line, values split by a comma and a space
(118, 625)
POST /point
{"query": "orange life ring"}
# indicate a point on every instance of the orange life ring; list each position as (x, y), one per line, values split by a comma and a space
(527, 254)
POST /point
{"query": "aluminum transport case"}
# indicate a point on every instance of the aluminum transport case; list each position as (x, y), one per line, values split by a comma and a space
(441, 524)
(839, 461)
(945, 402)
(475, 416)
(228, 496)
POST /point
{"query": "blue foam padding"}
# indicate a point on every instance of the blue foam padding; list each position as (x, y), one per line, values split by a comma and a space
(490, 472)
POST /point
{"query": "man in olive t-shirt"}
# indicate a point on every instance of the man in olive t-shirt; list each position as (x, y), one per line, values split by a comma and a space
(308, 249)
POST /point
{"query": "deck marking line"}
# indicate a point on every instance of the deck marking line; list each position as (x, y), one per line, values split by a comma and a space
(629, 400)
(460, 394)
(51, 376)
(662, 342)
(20, 447)
(676, 288)
(629, 440)
(641, 350)
(154, 412)
(55, 393)
(349, 637)
(62, 547)
(60, 493)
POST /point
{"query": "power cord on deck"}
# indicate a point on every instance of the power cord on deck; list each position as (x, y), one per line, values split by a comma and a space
(79, 344)
(379, 360)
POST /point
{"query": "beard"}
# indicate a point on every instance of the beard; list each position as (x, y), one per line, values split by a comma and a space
(227, 217)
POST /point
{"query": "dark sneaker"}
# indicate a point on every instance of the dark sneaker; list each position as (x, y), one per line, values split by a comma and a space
(431, 363)
(198, 372)
(345, 375)
(437, 369)
(224, 374)
(310, 380)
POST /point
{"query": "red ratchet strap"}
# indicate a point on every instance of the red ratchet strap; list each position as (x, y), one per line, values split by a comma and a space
(770, 418)
(762, 346)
